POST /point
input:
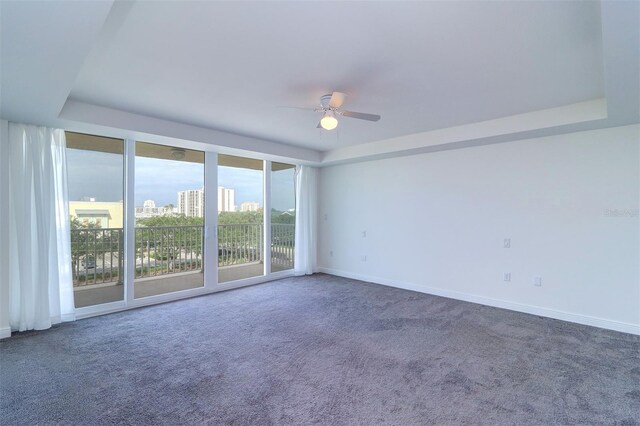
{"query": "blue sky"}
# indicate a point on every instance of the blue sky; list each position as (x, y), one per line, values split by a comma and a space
(100, 175)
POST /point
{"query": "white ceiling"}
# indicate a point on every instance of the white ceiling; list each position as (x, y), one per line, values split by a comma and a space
(218, 69)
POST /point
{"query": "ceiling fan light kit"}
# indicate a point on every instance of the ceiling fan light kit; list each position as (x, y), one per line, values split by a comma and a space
(329, 121)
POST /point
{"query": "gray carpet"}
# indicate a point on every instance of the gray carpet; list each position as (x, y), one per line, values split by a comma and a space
(320, 349)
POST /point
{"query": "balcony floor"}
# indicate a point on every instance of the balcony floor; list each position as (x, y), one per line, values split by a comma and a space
(165, 284)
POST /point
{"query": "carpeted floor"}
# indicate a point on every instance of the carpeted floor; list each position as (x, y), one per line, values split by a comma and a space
(320, 349)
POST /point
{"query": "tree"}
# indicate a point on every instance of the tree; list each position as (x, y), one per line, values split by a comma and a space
(282, 217)
(179, 220)
(237, 218)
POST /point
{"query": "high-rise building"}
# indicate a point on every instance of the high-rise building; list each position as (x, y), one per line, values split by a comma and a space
(226, 199)
(249, 206)
(191, 203)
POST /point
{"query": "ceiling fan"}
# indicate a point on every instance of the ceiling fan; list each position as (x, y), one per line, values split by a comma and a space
(330, 108)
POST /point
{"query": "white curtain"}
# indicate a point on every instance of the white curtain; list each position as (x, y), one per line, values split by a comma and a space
(40, 285)
(306, 220)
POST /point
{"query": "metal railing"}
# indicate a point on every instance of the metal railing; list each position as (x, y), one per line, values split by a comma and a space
(240, 244)
(282, 244)
(163, 250)
(98, 253)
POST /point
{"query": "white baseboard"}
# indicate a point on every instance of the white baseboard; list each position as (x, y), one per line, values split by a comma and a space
(5, 332)
(504, 304)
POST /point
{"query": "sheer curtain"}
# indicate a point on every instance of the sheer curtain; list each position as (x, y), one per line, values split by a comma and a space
(40, 284)
(306, 220)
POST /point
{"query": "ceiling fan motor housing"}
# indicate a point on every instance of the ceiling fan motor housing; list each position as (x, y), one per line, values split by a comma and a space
(324, 101)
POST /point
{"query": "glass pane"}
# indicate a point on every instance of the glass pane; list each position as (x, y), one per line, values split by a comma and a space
(169, 230)
(240, 218)
(283, 216)
(96, 177)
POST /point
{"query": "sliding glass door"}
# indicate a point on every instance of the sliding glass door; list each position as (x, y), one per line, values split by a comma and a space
(169, 219)
(241, 251)
(96, 192)
(144, 223)
(283, 216)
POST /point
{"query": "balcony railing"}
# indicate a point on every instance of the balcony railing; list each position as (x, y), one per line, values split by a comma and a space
(97, 253)
(240, 244)
(282, 243)
(163, 250)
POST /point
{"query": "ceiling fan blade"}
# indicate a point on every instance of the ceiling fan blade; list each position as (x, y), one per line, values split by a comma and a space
(337, 99)
(293, 107)
(360, 115)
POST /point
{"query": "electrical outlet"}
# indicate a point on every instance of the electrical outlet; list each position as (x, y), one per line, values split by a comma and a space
(537, 281)
(364, 234)
(507, 243)
(331, 253)
(506, 276)
(363, 257)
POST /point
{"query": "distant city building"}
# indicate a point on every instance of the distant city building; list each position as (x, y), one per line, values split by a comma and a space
(249, 206)
(191, 203)
(226, 199)
(149, 209)
(98, 213)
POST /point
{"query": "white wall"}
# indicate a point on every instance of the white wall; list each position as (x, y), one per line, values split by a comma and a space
(436, 223)
(5, 330)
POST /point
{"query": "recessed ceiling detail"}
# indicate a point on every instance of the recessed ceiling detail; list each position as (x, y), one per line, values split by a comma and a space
(219, 72)
(422, 65)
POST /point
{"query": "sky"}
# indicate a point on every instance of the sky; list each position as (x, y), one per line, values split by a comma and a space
(100, 175)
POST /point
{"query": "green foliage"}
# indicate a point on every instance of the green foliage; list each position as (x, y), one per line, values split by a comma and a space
(180, 220)
(283, 217)
(77, 224)
(232, 218)
(224, 218)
